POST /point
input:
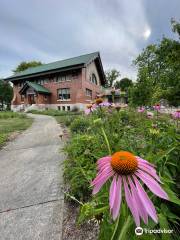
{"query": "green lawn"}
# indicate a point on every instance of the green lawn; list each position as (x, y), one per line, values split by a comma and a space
(62, 117)
(12, 122)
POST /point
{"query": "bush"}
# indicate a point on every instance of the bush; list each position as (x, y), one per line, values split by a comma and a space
(80, 125)
(80, 166)
(66, 119)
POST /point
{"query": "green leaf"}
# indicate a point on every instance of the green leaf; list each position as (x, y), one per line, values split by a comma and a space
(172, 196)
(164, 225)
(124, 230)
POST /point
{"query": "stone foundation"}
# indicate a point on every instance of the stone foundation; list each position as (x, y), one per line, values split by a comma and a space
(61, 107)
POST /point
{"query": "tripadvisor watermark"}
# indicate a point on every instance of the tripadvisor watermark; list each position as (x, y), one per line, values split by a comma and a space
(139, 231)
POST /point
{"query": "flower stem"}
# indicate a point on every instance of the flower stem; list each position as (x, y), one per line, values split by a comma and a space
(125, 228)
(121, 235)
(106, 140)
(115, 229)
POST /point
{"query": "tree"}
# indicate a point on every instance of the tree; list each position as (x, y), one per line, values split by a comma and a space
(124, 84)
(158, 72)
(111, 77)
(6, 94)
(25, 65)
(175, 26)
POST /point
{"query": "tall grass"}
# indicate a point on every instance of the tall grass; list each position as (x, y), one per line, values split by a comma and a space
(5, 115)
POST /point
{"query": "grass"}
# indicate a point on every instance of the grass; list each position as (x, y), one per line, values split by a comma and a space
(66, 119)
(53, 112)
(63, 117)
(12, 122)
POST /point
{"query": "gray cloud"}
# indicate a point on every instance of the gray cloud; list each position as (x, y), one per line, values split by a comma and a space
(50, 30)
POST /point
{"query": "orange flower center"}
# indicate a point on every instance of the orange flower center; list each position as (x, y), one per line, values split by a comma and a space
(99, 100)
(124, 163)
(89, 106)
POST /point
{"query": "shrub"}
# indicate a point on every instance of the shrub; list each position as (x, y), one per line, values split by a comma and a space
(66, 119)
(80, 125)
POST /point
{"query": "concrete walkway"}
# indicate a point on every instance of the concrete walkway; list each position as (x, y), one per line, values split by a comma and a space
(31, 198)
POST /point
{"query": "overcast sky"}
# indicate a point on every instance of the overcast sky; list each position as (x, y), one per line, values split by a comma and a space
(50, 30)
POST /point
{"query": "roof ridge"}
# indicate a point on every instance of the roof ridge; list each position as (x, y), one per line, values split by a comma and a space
(73, 57)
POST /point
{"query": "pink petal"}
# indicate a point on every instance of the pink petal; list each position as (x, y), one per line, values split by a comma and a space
(103, 166)
(87, 111)
(101, 175)
(117, 200)
(150, 170)
(140, 207)
(131, 203)
(144, 161)
(112, 192)
(146, 200)
(104, 159)
(101, 182)
(152, 185)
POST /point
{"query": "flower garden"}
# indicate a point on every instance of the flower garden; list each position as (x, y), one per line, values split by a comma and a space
(122, 169)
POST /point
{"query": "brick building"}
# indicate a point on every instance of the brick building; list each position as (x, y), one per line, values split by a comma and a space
(63, 85)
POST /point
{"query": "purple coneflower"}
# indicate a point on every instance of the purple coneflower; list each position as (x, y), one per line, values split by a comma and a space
(105, 104)
(176, 114)
(157, 107)
(98, 101)
(128, 170)
(150, 114)
(141, 109)
(90, 108)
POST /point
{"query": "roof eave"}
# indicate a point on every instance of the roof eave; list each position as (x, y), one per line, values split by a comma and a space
(44, 73)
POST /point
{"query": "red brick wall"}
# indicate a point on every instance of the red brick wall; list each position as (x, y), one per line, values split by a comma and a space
(77, 87)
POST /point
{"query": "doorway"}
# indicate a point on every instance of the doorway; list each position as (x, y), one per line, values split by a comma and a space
(31, 99)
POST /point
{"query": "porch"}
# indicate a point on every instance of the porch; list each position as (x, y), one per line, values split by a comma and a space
(33, 93)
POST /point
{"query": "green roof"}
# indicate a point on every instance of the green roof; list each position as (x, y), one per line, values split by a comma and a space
(37, 87)
(63, 64)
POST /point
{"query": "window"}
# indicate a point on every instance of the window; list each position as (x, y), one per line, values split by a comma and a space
(64, 93)
(59, 108)
(94, 79)
(63, 108)
(89, 93)
(61, 78)
(68, 77)
(22, 98)
(41, 81)
(68, 108)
